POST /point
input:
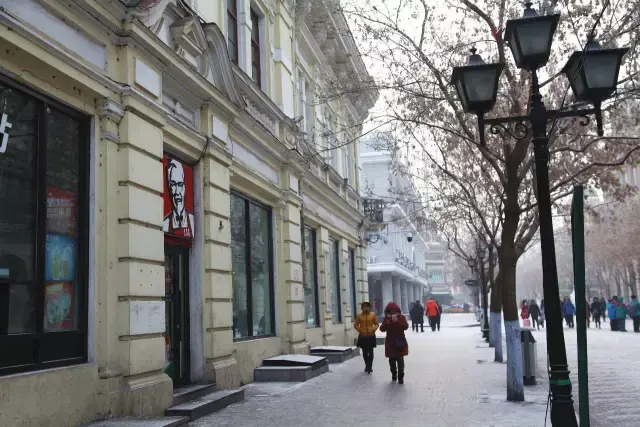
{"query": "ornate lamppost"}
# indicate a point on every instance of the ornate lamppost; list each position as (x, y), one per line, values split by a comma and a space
(593, 76)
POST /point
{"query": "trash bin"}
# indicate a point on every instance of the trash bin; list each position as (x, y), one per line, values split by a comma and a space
(529, 356)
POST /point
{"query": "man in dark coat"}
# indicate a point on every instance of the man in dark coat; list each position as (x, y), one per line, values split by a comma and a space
(534, 312)
(417, 316)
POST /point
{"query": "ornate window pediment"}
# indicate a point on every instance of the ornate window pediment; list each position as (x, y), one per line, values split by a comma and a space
(189, 42)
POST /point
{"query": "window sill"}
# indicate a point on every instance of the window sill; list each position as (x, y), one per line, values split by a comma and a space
(244, 339)
(45, 371)
(314, 327)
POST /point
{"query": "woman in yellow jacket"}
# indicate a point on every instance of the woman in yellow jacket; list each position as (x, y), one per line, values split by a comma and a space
(366, 324)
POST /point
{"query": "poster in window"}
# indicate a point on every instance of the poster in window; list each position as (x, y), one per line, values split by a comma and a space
(59, 310)
(61, 211)
(60, 259)
(178, 199)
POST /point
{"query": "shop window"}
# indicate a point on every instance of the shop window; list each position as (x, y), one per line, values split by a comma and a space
(252, 259)
(232, 30)
(334, 281)
(351, 283)
(310, 278)
(255, 47)
(43, 232)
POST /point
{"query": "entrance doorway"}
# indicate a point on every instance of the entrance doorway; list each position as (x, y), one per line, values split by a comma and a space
(176, 268)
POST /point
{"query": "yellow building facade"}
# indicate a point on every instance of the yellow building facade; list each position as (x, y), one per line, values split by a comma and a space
(177, 201)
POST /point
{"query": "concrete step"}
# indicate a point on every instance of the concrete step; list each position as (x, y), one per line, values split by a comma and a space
(140, 422)
(288, 373)
(191, 392)
(335, 354)
(206, 404)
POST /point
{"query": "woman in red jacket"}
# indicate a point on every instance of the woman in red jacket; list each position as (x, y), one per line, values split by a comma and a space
(395, 345)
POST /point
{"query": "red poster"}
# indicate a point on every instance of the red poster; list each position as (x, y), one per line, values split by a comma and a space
(59, 307)
(178, 199)
(61, 211)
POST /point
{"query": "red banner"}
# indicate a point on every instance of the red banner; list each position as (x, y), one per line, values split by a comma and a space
(178, 199)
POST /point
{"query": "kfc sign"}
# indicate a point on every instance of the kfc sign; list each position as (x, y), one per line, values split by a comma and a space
(178, 199)
(4, 132)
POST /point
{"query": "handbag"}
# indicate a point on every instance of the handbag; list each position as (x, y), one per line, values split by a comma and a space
(399, 342)
(526, 323)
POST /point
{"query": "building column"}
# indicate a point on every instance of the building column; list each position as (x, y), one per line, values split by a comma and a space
(411, 292)
(404, 296)
(387, 289)
(134, 229)
(220, 365)
(416, 293)
(362, 279)
(323, 281)
(397, 298)
(290, 288)
(344, 294)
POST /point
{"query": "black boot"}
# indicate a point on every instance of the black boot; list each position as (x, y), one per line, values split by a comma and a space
(394, 369)
(401, 370)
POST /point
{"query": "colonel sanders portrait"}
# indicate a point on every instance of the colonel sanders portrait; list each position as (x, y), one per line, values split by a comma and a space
(179, 222)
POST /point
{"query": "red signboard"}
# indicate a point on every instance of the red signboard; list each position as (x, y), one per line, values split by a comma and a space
(178, 199)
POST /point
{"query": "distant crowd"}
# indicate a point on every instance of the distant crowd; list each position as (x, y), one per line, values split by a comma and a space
(615, 309)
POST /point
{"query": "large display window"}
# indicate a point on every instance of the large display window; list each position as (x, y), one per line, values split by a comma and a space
(44, 158)
(252, 259)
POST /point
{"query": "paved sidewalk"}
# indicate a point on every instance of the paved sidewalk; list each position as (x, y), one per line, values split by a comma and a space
(614, 373)
(450, 381)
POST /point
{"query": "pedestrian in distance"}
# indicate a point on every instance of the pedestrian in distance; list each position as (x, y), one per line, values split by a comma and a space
(366, 324)
(439, 315)
(611, 312)
(417, 317)
(568, 310)
(596, 312)
(432, 311)
(587, 313)
(543, 314)
(603, 309)
(534, 313)
(634, 312)
(621, 314)
(395, 345)
(414, 324)
(524, 314)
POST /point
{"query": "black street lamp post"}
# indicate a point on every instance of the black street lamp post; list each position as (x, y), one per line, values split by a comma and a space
(481, 252)
(593, 75)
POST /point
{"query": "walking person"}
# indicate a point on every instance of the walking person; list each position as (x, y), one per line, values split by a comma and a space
(439, 315)
(543, 315)
(524, 314)
(611, 312)
(587, 313)
(414, 323)
(596, 312)
(568, 310)
(534, 312)
(395, 345)
(419, 314)
(603, 309)
(366, 324)
(621, 314)
(634, 312)
(432, 312)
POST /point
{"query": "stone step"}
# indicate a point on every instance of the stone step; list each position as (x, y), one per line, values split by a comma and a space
(294, 360)
(335, 354)
(140, 422)
(288, 373)
(206, 404)
(191, 392)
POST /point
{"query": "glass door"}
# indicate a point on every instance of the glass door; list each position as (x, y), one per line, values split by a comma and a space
(176, 314)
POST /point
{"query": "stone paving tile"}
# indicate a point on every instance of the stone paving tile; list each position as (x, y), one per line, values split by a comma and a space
(614, 373)
(449, 382)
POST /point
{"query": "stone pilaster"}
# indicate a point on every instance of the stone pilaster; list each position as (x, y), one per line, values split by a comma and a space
(290, 275)
(411, 292)
(220, 364)
(362, 284)
(344, 291)
(404, 297)
(387, 289)
(324, 248)
(397, 295)
(139, 284)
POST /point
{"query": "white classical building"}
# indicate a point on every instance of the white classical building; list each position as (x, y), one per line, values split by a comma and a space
(396, 254)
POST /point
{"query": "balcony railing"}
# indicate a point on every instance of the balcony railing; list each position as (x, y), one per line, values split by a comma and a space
(374, 209)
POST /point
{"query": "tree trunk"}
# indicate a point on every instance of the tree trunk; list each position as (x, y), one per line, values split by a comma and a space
(632, 279)
(495, 326)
